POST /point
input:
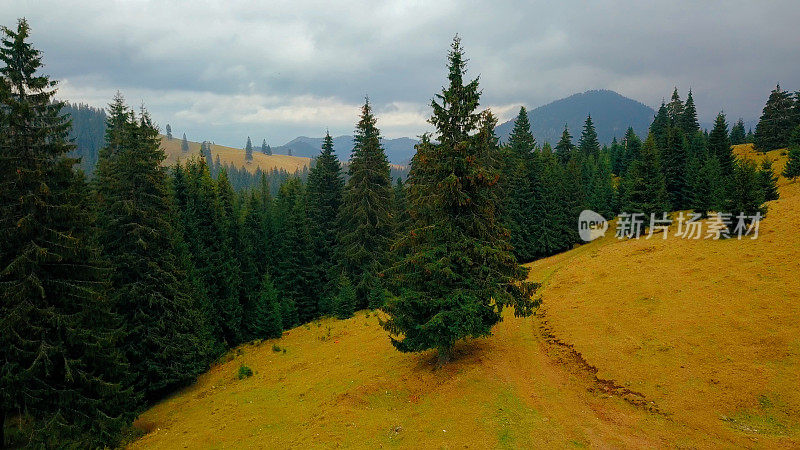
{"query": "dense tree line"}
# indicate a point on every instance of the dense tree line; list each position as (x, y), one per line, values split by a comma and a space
(118, 291)
(677, 167)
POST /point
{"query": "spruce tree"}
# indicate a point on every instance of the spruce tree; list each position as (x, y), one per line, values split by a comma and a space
(689, 123)
(184, 144)
(60, 371)
(211, 253)
(345, 300)
(738, 134)
(675, 166)
(365, 217)
(719, 144)
(549, 215)
(792, 168)
(248, 150)
(574, 199)
(518, 177)
(675, 110)
(777, 121)
(459, 272)
(645, 188)
(264, 320)
(325, 190)
(265, 147)
(564, 147)
(588, 144)
(708, 187)
(768, 181)
(169, 132)
(633, 147)
(601, 193)
(254, 261)
(296, 276)
(242, 276)
(166, 338)
(746, 195)
(660, 128)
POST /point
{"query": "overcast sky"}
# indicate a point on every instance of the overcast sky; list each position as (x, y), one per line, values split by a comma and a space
(222, 70)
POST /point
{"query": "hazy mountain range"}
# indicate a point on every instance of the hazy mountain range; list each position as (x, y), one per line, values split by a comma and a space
(611, 112)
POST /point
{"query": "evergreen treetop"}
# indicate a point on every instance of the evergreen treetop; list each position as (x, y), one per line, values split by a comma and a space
(588, 143)
(689, 122)
(365, 218)
(564, 146)
(719, 144)
(777, 121)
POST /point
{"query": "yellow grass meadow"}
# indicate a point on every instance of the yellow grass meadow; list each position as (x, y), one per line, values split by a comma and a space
(688, 343)
(233, 156)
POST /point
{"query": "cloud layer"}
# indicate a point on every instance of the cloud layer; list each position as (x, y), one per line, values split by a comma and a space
(222, 70)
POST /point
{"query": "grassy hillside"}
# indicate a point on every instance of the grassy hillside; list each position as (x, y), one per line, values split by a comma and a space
(638, 343)
(234, 156)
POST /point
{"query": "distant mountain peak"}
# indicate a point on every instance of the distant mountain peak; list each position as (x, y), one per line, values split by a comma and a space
(612, 114)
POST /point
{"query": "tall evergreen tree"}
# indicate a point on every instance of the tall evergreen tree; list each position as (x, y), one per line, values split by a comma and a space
(738, 134)
(60, 366)
(708, 186)
(345, 300)
(549, 214)
(184, 144)
(519, 166)
(675, 166)
(574, 198)
(601, 189)
(242, 276)
(210, 250)
(248, 150)
(265, 321)
(746, 195)
(564, 146)
(166, 337)
(689, 122)
(719, 144)
(645, 187)
(459, 272)
(296, 276)
(777, 121)
(365, 217)
(169, 132)
(633, 148)
(792, 168)
(325, 190)
(768, 181)
(660, 128)
(265, 148)
(588, 144)
(675, 110)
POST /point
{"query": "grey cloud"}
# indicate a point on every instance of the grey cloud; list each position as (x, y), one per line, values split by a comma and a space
(186, 61)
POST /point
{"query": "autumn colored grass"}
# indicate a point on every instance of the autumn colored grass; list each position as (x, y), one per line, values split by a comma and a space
(234, 156)
(638, 343)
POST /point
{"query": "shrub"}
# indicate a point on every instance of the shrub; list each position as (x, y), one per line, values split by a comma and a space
(245, 372)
